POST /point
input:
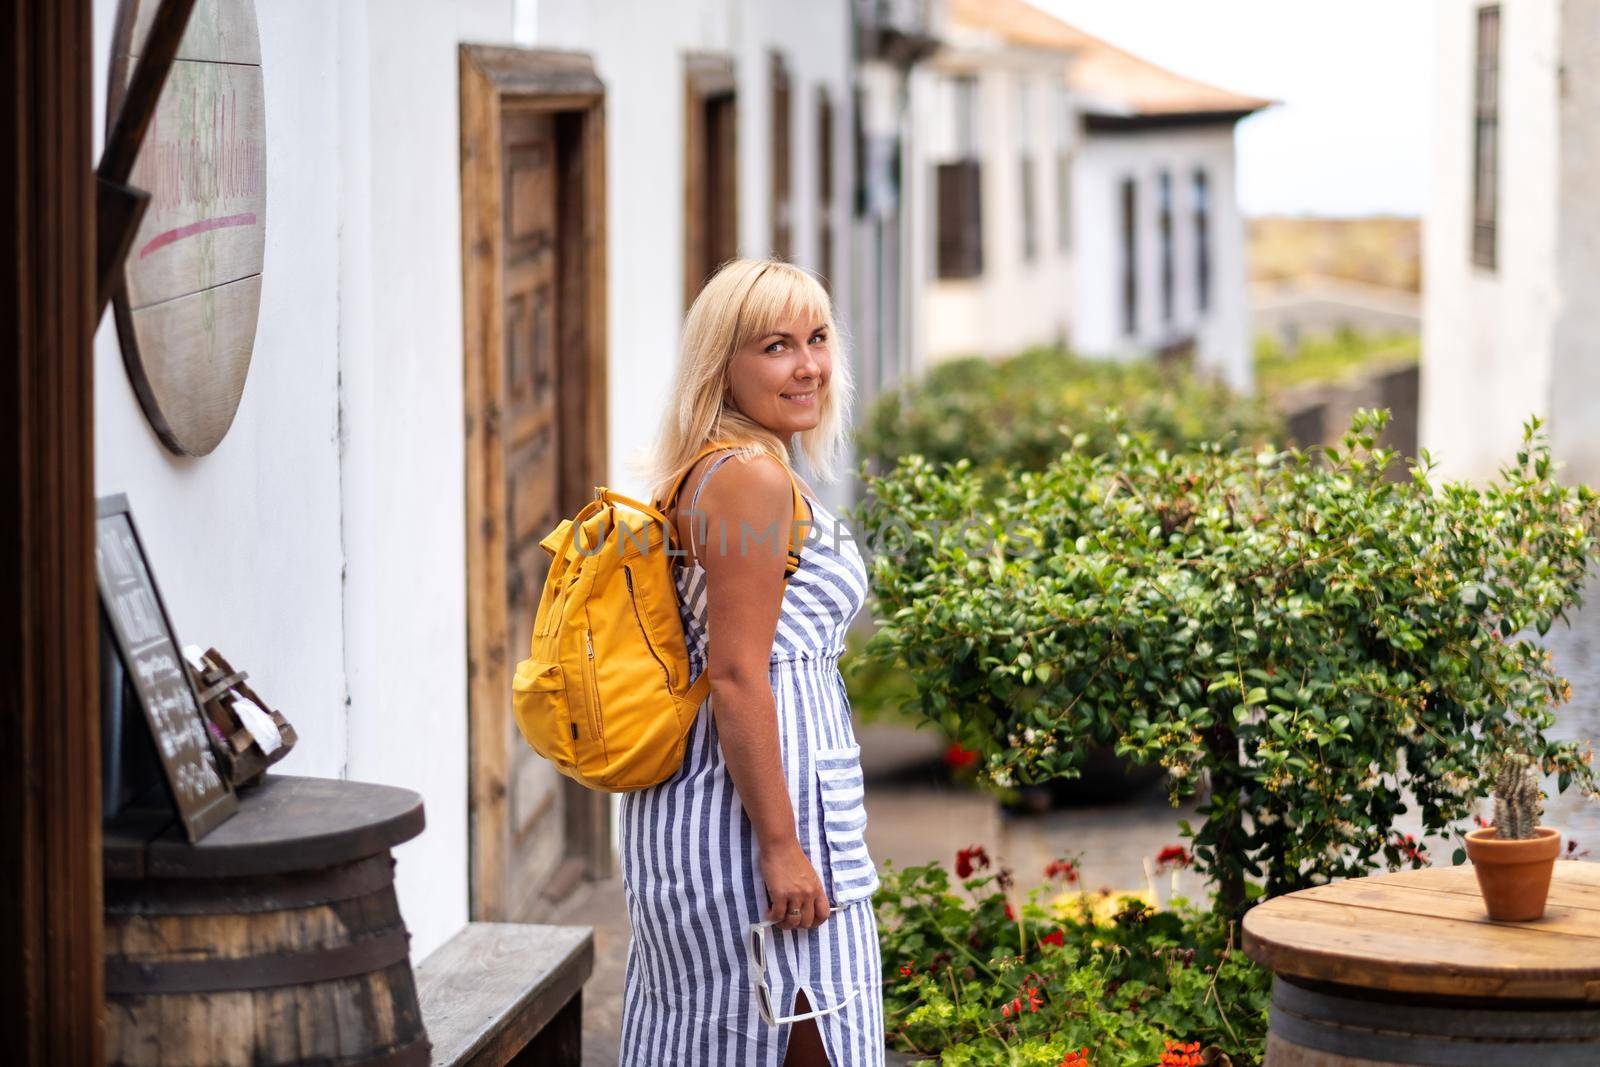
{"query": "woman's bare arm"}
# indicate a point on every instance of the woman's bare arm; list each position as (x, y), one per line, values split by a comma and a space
(749, 500)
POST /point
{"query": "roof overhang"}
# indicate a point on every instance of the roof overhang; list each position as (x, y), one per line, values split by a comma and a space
(1104, 122)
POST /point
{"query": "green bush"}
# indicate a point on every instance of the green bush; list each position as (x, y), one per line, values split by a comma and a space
(879, 690)
(1305, 634)
(1024, 411)
(970, 980)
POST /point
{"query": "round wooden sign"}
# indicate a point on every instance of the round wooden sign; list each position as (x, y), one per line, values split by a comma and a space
(186, 315)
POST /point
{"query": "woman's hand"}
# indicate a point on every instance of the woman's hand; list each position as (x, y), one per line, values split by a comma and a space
(793, 885)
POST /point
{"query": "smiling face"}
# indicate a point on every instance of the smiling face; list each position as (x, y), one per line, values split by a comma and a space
(780, 378)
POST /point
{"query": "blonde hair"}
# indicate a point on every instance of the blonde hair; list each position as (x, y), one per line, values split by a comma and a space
(744, 301)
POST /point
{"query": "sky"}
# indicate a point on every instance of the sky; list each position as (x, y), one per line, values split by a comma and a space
(1354, 77)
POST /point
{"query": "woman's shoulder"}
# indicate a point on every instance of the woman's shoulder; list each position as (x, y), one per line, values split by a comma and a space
(754, 482)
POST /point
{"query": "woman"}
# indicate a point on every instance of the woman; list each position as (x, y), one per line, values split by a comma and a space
(747, 876)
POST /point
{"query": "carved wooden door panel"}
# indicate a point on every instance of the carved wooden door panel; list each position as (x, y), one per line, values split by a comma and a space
(531, 431)
(533, 268)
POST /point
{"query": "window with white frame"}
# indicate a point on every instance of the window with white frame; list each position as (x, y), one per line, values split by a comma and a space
(1128, 204)
(1164, 228)
(957, 182)
(1066, 128)
(1025, 167)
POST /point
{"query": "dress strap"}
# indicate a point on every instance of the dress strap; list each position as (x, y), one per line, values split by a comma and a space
(694, 500)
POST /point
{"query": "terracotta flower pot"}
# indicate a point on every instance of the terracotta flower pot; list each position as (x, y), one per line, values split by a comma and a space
(1514, 876)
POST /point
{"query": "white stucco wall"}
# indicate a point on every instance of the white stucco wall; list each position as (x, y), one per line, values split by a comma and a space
(1016, 302)
(321, 545)
(638, 51)
(1575, 344)
(1222, 333)
(1487, 334)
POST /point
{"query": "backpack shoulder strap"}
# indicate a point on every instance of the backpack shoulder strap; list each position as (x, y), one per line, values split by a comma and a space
(801, 511)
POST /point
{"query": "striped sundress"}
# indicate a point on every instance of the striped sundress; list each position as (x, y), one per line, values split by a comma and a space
(690, 864)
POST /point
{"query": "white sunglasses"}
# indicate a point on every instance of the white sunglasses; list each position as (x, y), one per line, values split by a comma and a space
(755, 950)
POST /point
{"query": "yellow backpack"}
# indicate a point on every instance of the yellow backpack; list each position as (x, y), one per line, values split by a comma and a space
(605, 693)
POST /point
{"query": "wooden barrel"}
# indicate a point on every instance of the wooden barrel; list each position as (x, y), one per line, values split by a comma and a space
(1409, 969)
(276, 940)
(1337, 1027)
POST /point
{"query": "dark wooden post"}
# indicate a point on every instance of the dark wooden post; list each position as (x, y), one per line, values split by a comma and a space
(50, 922)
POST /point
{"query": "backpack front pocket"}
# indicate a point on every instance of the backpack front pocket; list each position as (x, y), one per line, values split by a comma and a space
(844, 821)
(539, 702)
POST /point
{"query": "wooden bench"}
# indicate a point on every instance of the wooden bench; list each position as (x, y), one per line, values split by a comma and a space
(507, 993)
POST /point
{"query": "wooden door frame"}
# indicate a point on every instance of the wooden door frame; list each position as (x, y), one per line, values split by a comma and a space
(705, 74)
(781, 97)
(495, 80)
(51, 967)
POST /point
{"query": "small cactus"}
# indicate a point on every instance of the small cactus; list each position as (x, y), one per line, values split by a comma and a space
(1517, 799)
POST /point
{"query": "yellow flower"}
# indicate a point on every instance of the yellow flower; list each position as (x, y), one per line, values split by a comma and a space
(1100, 908)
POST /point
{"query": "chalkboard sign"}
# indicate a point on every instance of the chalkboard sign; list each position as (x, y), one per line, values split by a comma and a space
(150, 654)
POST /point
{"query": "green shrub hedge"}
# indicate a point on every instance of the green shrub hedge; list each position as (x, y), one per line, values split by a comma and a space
(1312, 638)
(1024, 411)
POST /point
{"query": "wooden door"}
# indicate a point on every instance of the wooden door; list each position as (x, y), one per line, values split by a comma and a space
(532, 433)
(710, 158)
(534, 302)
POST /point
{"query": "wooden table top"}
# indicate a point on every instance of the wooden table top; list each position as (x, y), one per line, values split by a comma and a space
(1426, 932)
(287, 823)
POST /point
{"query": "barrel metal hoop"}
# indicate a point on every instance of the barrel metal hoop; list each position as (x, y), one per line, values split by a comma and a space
(1395, 1032)
(129, 978)
(250, 895)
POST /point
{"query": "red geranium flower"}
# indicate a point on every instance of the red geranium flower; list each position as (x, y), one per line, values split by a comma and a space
(1173, 857)
(1075, 1059)
(1054, 937)
(1177, 1055)
(970, 859)
(1009, 913)
(1065, 870)
(958, 758)
(1407, 846)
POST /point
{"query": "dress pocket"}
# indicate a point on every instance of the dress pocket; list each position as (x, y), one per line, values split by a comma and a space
(852, 874)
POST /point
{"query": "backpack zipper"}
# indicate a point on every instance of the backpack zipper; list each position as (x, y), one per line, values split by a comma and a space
(666, 675)
(594, 687)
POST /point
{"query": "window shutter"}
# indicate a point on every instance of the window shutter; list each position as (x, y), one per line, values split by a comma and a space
(960, 238)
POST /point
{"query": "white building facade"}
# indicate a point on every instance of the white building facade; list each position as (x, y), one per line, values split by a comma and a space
(1106, 214)
(639, 53)
(329, 545)
(997, 125)
(1511, 253)
(320, 546)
